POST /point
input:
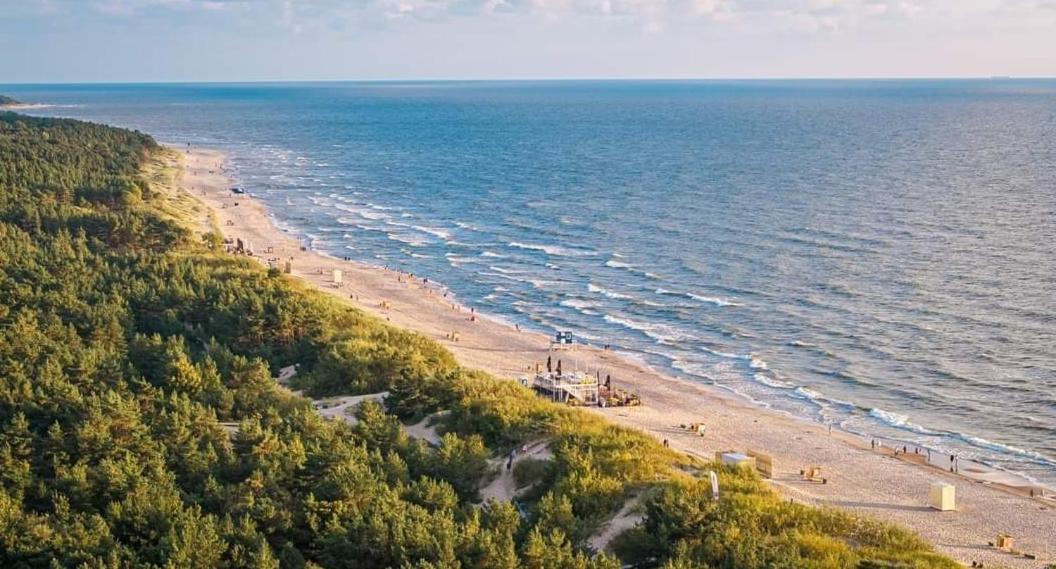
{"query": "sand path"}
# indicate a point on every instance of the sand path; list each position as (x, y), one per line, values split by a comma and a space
(342, 407)
(504, 486)
(860, 479)
(624, 520)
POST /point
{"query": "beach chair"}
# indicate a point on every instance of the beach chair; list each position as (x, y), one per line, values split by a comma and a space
(813, 474)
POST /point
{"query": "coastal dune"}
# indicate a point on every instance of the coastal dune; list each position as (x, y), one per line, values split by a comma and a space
(858, 477)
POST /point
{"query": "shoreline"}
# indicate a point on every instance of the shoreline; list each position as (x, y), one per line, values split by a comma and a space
(977, 470)
(860, 479)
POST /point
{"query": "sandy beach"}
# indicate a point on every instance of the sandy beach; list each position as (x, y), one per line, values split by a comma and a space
(859, 478)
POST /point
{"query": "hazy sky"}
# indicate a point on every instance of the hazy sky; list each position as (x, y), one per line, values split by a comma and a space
(235, 40)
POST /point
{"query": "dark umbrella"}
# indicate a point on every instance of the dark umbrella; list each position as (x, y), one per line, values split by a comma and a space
(608, 381)
(548, 370)
(558, 367)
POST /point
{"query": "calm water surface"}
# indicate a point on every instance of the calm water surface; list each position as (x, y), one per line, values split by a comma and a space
(876, 255)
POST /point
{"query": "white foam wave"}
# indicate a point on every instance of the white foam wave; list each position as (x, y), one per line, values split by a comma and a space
(442, 234)
(412, 240)
(899, 421)
(582, 306)
(717, 301)
(493, 255)
(808, 393)
(692, 368)
(618, 264)
(505, 271)
(661, 333)
(772, 382)
(609, 293)
(456, 260)
(1006, 449)
(721, 354)
(543, 283)
(555, 250)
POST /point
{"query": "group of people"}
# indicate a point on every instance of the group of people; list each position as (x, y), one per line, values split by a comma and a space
(877, 444)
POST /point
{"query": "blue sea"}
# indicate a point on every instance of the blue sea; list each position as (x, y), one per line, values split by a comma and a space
(876, 255)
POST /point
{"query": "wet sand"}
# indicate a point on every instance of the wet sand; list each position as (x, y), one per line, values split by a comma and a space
(859, 478)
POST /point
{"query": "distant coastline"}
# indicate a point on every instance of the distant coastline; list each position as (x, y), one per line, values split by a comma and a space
(11, 104)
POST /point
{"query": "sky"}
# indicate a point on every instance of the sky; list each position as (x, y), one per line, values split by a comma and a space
(44, 41)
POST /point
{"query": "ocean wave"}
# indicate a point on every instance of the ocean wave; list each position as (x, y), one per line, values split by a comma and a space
(506, 271)
(721, 354)
(1030, 455)
(713, 300)
(412, 240)
(692, 368)
(772, 381)
(661, 333)
(649, 303)
(700, 298)
(456, 260)
(365, 213)
(808, 394)
(494, 255)
(543, 283)
(899, 421)
(554, 250)
(442, 234)
(582, 306)
(618, 264)
(497, 275)
(609, 293)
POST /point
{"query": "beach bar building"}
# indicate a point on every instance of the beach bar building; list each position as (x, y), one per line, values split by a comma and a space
(574, 388)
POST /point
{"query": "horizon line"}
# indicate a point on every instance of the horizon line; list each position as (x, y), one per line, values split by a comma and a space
(545, 79)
